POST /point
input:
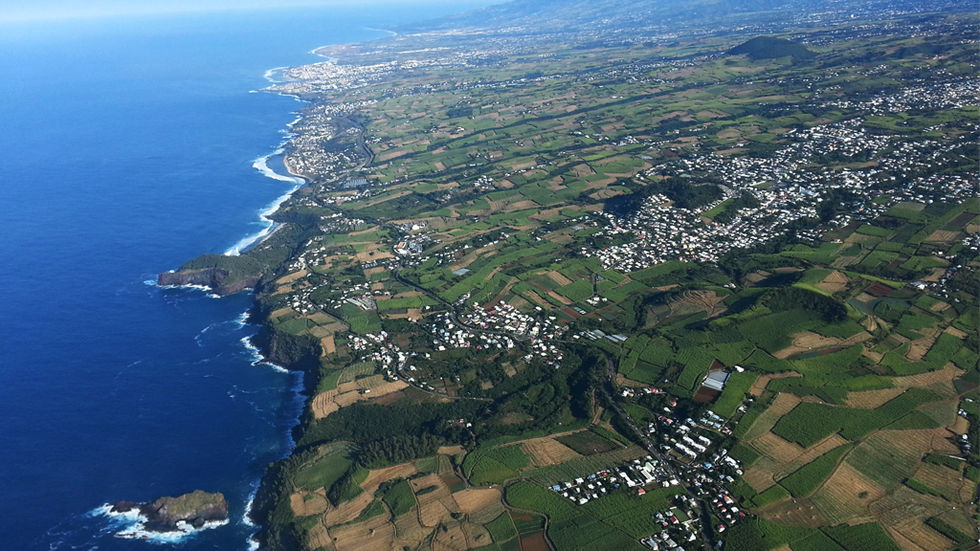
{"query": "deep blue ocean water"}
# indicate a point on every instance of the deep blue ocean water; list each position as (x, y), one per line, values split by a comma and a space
(127, 147)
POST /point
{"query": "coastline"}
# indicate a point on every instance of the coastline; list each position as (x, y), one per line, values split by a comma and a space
(283, 353)
(260, 352)
(260, 348)
(261, 164)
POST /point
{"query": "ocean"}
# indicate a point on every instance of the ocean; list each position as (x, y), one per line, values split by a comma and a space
(131, 145)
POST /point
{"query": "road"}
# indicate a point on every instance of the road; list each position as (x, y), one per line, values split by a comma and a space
(665, 461)
(641, 435)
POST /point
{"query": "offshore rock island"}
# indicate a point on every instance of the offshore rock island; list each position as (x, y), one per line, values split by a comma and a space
(194, 510)
(589, 275)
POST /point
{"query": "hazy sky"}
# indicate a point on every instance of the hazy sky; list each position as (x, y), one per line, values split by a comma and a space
(20, 10)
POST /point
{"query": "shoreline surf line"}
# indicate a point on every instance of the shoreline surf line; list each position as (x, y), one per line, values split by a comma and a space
(132, 525)
(261, 164)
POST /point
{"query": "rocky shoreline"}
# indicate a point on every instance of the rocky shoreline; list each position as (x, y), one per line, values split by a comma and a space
(168, 514)
(256, 269)
(212, 278)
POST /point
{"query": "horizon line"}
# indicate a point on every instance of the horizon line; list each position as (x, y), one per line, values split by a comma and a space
(125, 12)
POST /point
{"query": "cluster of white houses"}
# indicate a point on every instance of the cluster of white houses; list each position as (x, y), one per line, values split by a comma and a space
(447, 334)
(787, 186)
(637, 474)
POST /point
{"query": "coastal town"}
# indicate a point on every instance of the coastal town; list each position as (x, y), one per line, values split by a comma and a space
(682, 286)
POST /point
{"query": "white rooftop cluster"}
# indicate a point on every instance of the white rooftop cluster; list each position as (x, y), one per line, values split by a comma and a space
(635, 474)
(446, 334)
(789, 185)
(664, 232)
(498, 328)
(934, 95)
(389, 356)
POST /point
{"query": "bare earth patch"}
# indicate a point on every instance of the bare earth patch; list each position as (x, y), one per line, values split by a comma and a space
(378, 477)
(934, 275)
(476, 535)
(943, 236)
(473, 500)
(451, 450)
(777, 448)
(846, 495)
(548, 451)
(960, 426)
(871, 399)
(944, 375)
(409, 531)
(925, 538)
(320, 538)
(796, 512)
(954, 331)
(451, 538)
(559, 298)
(760, 474)
(809, 454)
(833, 283)
(918, 348)
(782, 404)
(348, 510)
(698, 301)
(328, 346)
(904, 511)
(374, 533)
(306, 504)
(807, 341)
(903, 543)
(289, 278)
(432, 508)
(346, 394)
(762, 382)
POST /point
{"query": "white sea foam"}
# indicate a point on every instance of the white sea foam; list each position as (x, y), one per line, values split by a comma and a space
(242, 320)
(132, 525)
(299, 402)
(247, 515)
(377, 30)
(262, 165)
(204, 288)
(272, 74)
(257, 357)
(184, 530)
(200, 334)
(208, 291)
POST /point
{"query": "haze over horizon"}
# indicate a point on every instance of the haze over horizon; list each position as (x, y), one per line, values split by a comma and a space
(48, 10)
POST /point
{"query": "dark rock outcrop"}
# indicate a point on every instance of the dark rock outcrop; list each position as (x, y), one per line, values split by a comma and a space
(216, 279)
(296, 352)
(225, 275)
(163, 515)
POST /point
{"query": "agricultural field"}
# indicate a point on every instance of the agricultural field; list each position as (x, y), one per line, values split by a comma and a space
(561, 260)
(834, 419)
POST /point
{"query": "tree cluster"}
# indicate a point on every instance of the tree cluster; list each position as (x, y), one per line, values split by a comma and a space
(789, 298)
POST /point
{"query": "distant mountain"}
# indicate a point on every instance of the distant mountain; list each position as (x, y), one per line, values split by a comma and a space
(573, 16)
(770, 47)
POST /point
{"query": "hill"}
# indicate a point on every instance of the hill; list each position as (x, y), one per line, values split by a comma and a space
(770, 47)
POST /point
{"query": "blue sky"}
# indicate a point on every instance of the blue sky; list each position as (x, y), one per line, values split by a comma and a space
(38, 10)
